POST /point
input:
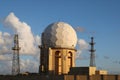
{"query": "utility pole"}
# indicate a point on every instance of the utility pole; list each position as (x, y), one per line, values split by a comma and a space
(15, 61)
(92, 54)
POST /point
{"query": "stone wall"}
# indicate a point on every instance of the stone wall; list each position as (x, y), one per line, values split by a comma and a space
(62, 77)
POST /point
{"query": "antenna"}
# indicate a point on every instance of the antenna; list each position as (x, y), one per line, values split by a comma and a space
(92, 54)
(15, 61)
(91, 33)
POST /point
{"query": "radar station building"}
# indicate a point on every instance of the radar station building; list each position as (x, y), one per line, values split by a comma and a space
(58, 51)
(57, 58)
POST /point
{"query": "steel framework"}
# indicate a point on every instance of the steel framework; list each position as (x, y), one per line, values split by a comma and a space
(92, 54)
(15, 61)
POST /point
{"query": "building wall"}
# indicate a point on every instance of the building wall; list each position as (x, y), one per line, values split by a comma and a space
(81, 77)
(61, 77)
(92, 70)
(93, 77)
(60, 60)
(57, 60)
(101, 72)
(83, 70)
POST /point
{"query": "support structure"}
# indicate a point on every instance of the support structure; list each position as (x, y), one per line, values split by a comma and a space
(92, 54)
(15, 61)
(55, 60)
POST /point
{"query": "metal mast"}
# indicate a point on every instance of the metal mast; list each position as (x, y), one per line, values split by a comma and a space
(92, 54)
(15, 61)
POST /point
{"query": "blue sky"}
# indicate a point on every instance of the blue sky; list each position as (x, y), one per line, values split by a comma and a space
(99, 16)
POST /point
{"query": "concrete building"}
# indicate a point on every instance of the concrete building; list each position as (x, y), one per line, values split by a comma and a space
(58, 49)
(101, 72)
(83, 71)
(58, 52)
(86, 71)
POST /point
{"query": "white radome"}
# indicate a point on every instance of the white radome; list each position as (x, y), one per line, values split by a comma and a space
(59, 35)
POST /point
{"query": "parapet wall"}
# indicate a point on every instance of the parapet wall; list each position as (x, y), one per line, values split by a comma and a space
(62, 77)
(93, 77)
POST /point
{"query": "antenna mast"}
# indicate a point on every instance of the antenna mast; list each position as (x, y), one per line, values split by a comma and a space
(92, 54)
(15, 61)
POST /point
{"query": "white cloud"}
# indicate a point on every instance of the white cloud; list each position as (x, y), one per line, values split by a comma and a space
(5, 67)
(28, 43)
(5, 43)
(82, 46)
(28, 65)
(79, 29)
(26, 37)
(5, 58)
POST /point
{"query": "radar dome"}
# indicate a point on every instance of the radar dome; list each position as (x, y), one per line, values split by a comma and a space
(59, 35)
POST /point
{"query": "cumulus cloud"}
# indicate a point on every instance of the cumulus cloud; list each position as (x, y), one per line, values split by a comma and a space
(82, 46)
(28, 43)
(5, 58)
(81, 43)
(26, 37)
(79, 29)
(28, 65)
(5, 67)
(5, 43)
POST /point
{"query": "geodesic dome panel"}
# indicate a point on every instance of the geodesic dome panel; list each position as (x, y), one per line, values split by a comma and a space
(60, 35)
